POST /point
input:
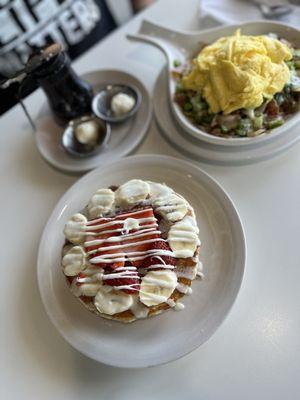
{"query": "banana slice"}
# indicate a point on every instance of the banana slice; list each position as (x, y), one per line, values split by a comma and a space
(86, 289)
(132, 192)
(157, 287)
(109, 301)
(73, 261)
(89, 289)
(101, 203)
(159, 190)
(74, 228)
(172, 207)
(183, 237)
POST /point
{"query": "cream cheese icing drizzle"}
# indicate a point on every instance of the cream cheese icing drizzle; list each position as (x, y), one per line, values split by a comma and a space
(186, 272)
(177, 306)
(129, 224)
(182, 288)
(120, 252)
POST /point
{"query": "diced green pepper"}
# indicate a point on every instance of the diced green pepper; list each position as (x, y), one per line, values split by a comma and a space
(244, 127)
(258, 122)
(246, 123)
(297, 64)
(206, 119)
(274, 123)
(176, 63)
(198, 103)
(224, 128)
(297, 53)
(290, 64)
(240, 131)
(187, 106)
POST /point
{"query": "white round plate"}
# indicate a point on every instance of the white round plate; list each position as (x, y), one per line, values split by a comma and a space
(124, 138)
(172, 334)
(210, 153)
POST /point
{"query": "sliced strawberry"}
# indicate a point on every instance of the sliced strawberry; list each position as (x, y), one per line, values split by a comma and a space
(80, 276)
(118, 264)
(134, 282)
(168, 260)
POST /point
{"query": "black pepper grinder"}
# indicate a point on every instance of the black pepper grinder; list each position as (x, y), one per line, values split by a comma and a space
(68, 95)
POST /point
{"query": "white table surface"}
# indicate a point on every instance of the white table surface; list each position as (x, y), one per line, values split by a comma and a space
(254, 355)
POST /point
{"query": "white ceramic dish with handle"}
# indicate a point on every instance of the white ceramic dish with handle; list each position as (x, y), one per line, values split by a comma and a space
(172, 334)
(181, 46)
(206, 152)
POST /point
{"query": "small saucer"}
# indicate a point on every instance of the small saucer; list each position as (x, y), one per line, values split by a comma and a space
(124, 138)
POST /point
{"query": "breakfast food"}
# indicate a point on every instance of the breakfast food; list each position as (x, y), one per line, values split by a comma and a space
(240, 85)
(133, 251)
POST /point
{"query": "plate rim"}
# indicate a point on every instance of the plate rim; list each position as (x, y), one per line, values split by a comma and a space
(238, 226)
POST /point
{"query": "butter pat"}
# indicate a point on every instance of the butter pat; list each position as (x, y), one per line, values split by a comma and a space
(121, 104)
(87, 132)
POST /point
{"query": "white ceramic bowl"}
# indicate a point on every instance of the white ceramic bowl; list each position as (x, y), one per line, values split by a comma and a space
(179, 45)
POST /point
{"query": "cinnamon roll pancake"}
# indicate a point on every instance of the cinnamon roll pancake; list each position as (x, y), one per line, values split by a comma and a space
(133, 251)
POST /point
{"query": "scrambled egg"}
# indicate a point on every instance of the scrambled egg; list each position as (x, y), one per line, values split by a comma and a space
(239, 72)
